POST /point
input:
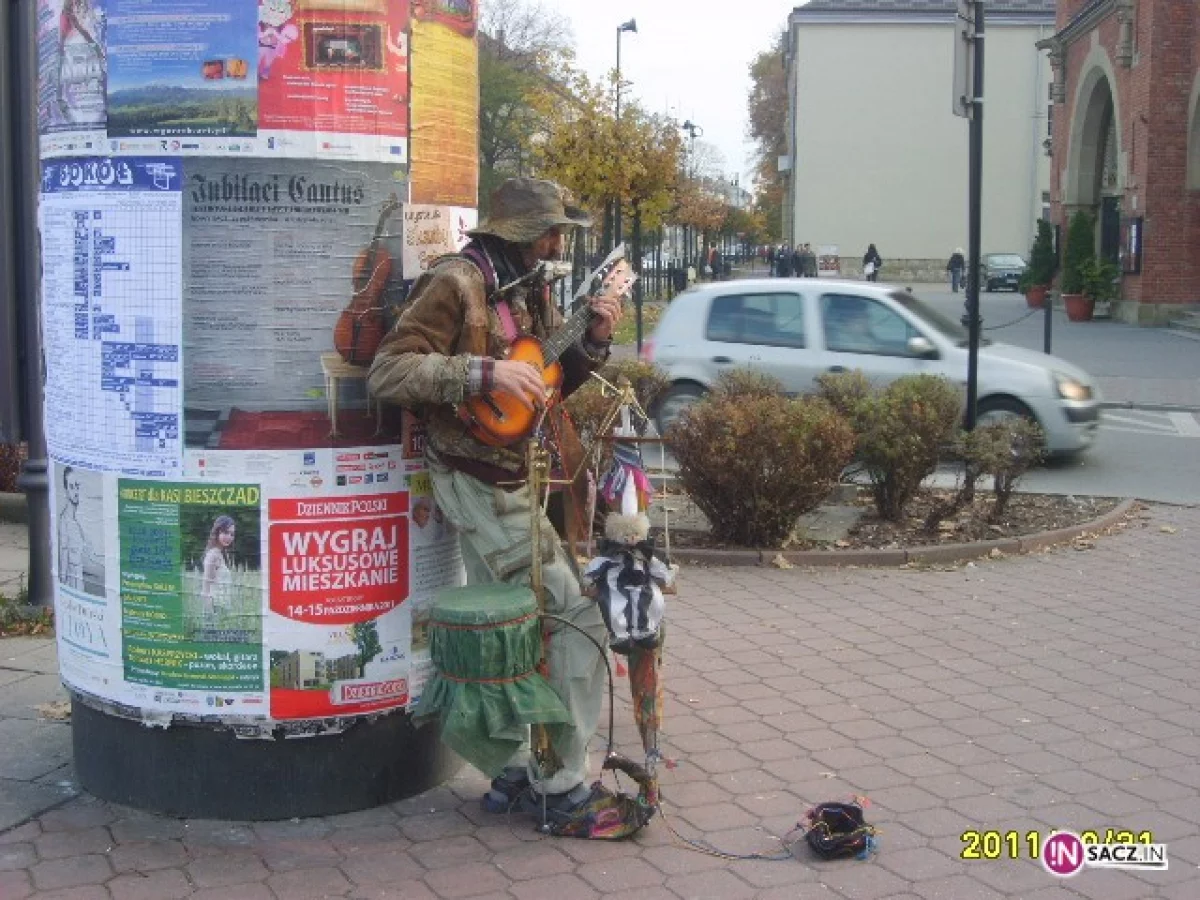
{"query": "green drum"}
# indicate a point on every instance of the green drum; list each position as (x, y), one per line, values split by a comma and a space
(485, 642)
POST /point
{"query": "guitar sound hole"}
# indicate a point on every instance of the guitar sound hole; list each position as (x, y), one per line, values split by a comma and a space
(491, 404)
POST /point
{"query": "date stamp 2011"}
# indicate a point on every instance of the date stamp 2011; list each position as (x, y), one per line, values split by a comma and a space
(1012, 844)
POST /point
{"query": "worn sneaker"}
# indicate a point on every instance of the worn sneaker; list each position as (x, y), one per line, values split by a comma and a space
(506, 789)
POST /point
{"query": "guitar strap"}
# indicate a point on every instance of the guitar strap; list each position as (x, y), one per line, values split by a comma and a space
(490, 281)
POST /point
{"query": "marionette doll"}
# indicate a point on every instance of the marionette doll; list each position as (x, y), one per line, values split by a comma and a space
(627, 577)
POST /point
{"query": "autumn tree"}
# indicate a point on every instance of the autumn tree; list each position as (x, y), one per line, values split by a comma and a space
(768, 110)
(518, 39)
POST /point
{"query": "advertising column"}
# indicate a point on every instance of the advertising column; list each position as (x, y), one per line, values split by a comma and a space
(234, 203)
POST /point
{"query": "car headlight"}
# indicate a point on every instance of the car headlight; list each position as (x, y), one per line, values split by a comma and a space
(1071, 388)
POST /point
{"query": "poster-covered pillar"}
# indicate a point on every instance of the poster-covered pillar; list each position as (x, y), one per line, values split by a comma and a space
(245, 547)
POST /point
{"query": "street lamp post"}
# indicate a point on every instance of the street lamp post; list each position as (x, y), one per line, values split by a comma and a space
(630, 26)
(692, 129)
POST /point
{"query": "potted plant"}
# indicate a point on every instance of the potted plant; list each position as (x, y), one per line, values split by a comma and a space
(1100, 282)
(1079, 253)
(1040, 271)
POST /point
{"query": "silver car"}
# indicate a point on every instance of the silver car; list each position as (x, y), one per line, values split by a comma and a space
(796, 329)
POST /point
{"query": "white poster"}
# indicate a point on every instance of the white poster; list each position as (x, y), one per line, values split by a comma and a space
(111, 313)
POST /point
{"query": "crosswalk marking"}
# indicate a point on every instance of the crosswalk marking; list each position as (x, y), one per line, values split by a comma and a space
(1186, 423)
(1173, 424)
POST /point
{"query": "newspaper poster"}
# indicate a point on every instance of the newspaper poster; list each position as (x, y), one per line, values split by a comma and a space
(339, 629)
(183, 69)
(191, 586)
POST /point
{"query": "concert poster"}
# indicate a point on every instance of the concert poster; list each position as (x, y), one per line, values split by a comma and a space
(269, 257)
(335, 67)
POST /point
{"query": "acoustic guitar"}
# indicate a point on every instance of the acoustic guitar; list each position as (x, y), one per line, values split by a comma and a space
(499, 419)
(361, 326)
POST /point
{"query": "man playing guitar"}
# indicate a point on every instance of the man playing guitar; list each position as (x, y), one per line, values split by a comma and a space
(450, 345)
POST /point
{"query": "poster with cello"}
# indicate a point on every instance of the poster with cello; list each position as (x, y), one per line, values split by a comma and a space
(285, 264)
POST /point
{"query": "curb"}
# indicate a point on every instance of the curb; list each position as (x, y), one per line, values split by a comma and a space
(933, 553)
(13, 508)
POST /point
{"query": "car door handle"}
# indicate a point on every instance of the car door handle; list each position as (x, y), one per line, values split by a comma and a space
(722, 360)
(837, 368)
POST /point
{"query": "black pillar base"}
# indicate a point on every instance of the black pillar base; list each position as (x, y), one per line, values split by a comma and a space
(206, 773)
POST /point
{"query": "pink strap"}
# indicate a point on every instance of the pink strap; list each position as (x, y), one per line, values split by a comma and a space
(506, 320)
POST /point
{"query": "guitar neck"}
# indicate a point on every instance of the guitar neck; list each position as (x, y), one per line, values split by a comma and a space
(568, 333)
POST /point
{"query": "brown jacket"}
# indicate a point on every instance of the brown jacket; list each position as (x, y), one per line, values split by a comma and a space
(423, 363)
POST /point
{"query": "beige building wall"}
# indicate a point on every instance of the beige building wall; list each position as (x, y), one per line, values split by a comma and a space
(881, 158)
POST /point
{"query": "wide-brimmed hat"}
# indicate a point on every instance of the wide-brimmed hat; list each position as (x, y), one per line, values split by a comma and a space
(523, 209)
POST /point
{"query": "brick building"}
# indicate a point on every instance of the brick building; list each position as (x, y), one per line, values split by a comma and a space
(1125, 142)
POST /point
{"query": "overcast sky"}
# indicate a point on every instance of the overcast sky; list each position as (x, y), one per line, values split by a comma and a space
(689, 57)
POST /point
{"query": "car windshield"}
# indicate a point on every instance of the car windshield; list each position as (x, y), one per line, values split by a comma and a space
(1005, 259)
(944, 325)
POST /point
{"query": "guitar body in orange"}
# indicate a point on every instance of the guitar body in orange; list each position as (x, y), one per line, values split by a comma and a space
(499, 419)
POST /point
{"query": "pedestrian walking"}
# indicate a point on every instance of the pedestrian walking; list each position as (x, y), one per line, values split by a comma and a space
(872, 263)
(955, 267)
(810, 262)
(783, 262)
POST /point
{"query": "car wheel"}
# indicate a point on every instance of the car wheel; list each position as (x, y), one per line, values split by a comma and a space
(1004, 409)
(677, 399)
(1001, 409)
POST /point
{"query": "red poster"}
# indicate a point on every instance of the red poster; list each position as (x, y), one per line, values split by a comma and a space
(333, 66)
(340, 632)
(339, 560)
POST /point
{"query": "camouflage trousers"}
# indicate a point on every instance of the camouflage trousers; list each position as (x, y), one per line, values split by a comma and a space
(494, 528)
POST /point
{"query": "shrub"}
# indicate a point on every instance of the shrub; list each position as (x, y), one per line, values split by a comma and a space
(1005, 450)
(1080, 250)
(1100, 280)
(754, 464)
(845, 391)
(962, 448)
(1042, 262)
(902, 431)
(748, 384)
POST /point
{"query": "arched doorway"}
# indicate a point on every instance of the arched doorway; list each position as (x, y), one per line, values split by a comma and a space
(1094, 170)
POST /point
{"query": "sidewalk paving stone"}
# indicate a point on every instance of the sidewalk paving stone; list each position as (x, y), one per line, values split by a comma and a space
(1053, 690)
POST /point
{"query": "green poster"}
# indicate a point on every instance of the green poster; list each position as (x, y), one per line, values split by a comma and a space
(191, 585)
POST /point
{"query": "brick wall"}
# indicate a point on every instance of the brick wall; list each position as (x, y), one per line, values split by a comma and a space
(1152, 102)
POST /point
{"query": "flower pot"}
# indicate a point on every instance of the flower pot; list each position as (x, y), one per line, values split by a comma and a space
(1035, 297)
(1079, 307)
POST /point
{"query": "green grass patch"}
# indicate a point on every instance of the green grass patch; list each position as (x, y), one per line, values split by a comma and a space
(626, 332)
